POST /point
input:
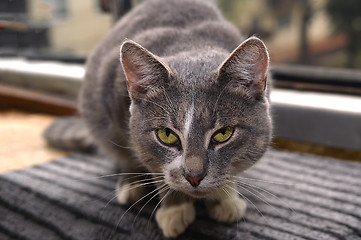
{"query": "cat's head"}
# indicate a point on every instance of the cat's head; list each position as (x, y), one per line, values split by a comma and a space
(199, 117)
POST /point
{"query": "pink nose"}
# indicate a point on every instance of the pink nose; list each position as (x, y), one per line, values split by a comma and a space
(194, 181)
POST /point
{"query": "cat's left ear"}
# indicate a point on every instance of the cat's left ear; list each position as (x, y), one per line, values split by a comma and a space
(144, 71)
(246, 67)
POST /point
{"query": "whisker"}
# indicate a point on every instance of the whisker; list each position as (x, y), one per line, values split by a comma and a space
(263, 200)
(132, 186)
(160, 106)
(247, 199)
(104, 197)
(253, 187)
(126, 179)
(119, 146)
(156, 118)
(120, 220)
(168, 99)
(218, 193)
(160, 190)
(230, 197)
(140, 180)
(219, 96)
(115, 196)
(156, 206)
(136, 184)
(121, 174)
(265, 181)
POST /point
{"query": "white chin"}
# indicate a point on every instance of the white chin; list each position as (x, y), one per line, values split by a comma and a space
(197, 194)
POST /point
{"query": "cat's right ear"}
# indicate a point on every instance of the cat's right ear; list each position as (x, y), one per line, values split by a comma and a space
(246, 68)
(144, 71)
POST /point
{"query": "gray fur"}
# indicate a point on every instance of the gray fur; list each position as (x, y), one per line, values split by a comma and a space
(184, 62)
(69, 134)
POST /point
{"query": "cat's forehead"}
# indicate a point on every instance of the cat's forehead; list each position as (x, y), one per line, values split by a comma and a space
(194, 67)
(206, 108)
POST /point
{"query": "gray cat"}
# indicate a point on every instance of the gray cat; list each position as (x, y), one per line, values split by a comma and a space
(186, 102)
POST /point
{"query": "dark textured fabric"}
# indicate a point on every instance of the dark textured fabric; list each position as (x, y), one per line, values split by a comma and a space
(305, 197)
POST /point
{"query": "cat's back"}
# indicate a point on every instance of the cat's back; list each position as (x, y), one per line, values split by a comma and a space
(154, 14)
(166, 13)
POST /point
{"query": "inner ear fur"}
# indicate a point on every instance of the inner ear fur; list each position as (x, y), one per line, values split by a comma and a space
(144, 71)
(247, 66)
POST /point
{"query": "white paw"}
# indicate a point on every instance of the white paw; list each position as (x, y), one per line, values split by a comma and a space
(128, 194)
(227, 210)
(175, 219)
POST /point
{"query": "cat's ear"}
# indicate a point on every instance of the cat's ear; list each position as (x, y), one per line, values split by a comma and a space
(246, 67)
(144, 71)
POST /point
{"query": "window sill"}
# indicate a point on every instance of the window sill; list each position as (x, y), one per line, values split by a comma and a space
(332, 120)
(319, 118)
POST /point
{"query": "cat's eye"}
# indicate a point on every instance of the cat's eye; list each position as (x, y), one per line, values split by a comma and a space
(167, 136)
(222, 135)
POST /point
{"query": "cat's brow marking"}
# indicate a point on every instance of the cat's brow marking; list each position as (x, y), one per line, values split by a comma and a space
(188, 121)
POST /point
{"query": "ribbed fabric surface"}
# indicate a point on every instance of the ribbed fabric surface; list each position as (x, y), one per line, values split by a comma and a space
(299, 197)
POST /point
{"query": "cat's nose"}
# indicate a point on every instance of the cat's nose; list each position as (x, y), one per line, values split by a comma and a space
(194, 180)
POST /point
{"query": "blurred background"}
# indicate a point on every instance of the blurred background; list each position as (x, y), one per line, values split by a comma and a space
(309, 32)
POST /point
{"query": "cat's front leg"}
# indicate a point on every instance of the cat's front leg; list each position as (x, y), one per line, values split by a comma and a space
(226, 207)
(175, 214)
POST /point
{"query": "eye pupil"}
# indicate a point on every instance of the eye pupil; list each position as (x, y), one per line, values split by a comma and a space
(167, 136)
(167, 132)
(222, 135)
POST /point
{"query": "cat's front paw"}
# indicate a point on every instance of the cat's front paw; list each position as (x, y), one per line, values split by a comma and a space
(227, 210)
(129, 193)
(173, 220)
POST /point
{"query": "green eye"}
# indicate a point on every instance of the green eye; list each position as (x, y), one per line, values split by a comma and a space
(167, 136)
(222, 135)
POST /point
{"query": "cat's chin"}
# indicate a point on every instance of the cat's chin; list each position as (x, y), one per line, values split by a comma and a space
(194, 193)
(198, 194)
